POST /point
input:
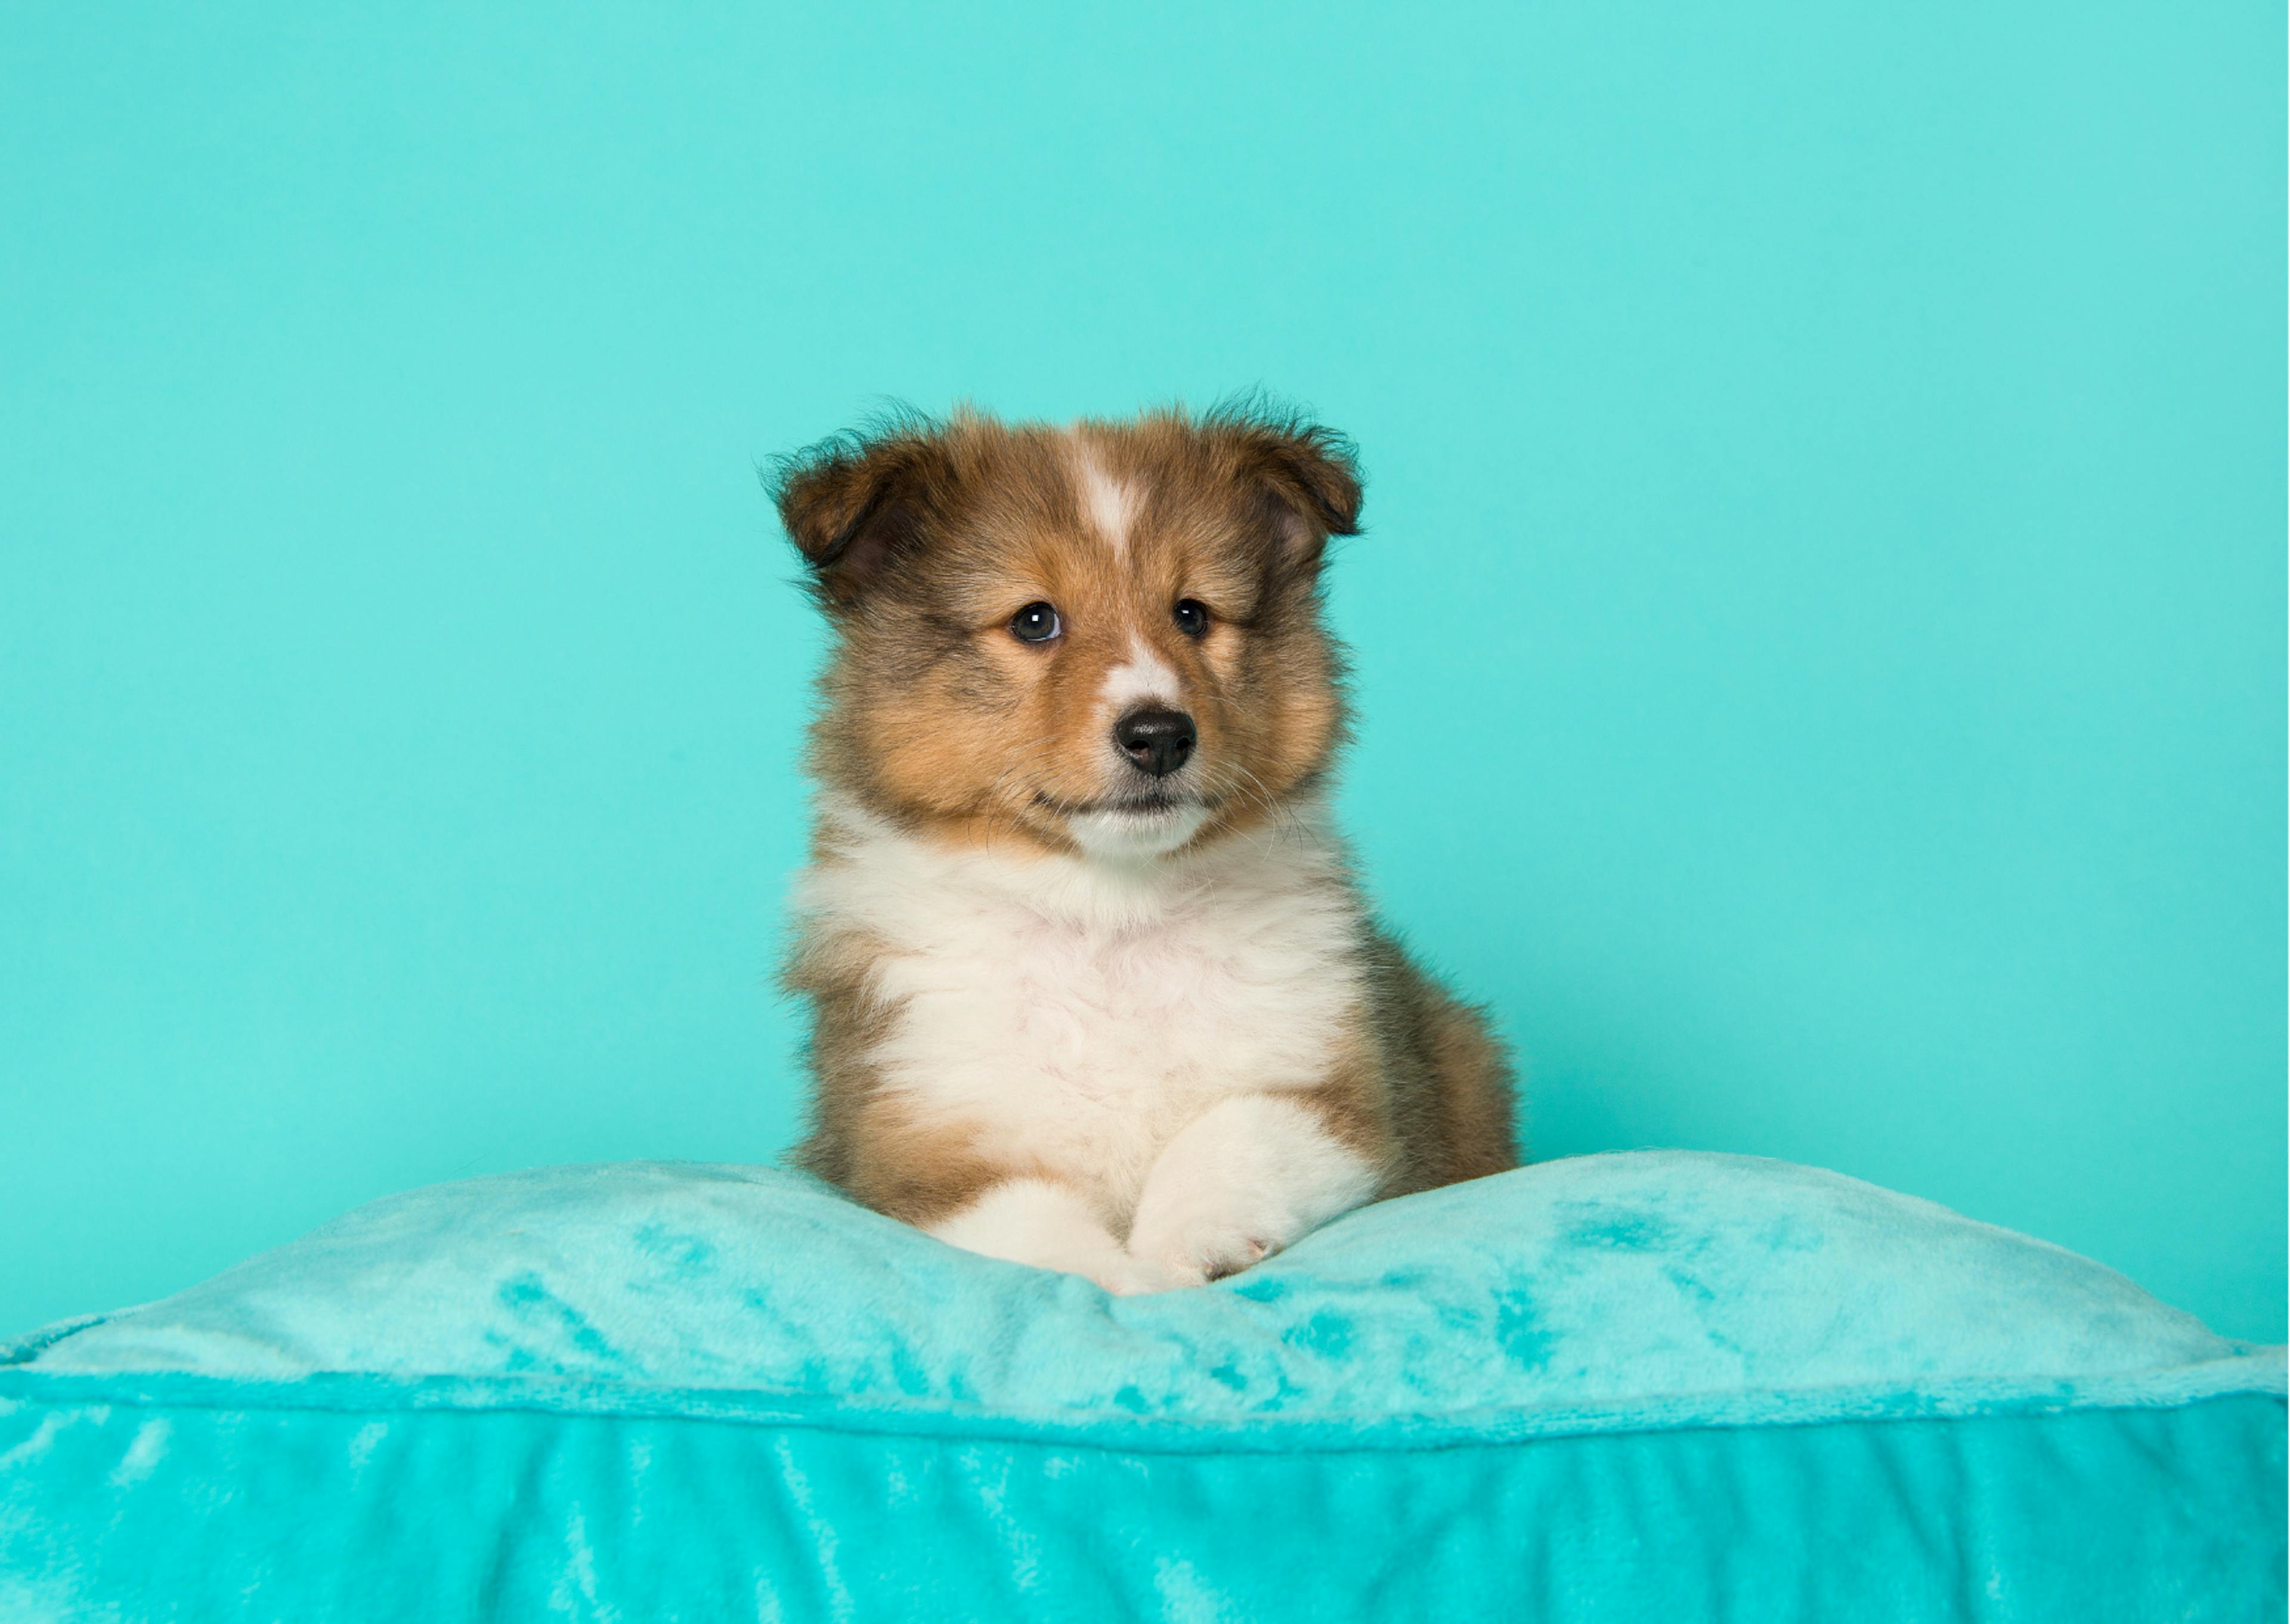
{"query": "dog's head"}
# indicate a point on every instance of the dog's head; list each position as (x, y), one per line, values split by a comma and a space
(1107, 637)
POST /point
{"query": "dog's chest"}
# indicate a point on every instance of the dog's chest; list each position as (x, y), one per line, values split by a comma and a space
(1084, 1047)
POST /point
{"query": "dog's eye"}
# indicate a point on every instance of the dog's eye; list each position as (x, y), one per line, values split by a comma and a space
(1036, 623)
(1192, 616)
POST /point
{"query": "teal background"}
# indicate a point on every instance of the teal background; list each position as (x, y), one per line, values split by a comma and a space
(1820, 641)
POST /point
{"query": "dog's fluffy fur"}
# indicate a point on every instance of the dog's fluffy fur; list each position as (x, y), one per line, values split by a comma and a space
(1135, 1024)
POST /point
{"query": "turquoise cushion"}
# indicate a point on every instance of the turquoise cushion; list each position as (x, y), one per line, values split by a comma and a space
(1657, 1384)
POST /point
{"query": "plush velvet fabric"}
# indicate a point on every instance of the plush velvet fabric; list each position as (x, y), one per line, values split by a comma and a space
(1657, 1384)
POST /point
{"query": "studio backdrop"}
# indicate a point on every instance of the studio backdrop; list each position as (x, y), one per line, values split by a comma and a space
(1819, 637)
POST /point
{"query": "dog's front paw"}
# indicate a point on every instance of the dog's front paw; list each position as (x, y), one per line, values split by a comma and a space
(1127, 1275)
(1204, 1245)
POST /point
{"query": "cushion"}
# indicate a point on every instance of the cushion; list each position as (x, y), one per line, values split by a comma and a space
(1656, 1384)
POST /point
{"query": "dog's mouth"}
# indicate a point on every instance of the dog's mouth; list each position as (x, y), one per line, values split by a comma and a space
(1149, 805)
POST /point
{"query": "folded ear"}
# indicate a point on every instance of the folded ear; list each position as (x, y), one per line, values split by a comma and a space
(859, 505)
(1308, 474)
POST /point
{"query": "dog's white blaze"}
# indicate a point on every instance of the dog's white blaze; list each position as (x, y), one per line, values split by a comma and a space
(1080, 1015)
(1143, 675)
(1110, 504)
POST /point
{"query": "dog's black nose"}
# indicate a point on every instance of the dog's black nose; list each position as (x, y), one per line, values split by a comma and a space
(1157, 741)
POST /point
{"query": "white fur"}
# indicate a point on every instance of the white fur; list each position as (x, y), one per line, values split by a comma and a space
(1246, 1177)
(1111, 504)
(1116, 837)
(1143, 675)
(1049, 1225)
(1081, 1015)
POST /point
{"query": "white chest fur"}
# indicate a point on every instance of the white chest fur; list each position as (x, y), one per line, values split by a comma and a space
(1077, 1014)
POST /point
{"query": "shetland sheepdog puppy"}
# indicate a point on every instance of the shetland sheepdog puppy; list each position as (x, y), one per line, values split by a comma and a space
(1092, 984)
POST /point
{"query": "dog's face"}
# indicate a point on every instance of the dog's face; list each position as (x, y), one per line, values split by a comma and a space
(1105, 638)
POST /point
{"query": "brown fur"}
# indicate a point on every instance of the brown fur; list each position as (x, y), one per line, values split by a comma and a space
(923, 538)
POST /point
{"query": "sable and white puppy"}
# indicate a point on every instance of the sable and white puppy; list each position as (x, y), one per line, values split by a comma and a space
(1092, 986)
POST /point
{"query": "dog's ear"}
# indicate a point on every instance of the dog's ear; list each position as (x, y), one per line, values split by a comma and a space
(1306, 475)
(858, 506)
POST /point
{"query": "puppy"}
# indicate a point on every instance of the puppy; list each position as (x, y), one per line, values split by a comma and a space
(1092, 986)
